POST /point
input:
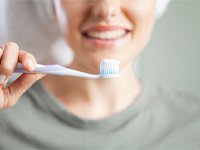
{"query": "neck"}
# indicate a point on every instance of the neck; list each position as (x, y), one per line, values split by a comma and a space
(95, 99)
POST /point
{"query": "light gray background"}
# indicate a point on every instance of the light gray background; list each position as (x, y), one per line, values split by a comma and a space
(172, 57)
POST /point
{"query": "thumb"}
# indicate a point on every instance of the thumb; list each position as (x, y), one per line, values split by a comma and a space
(13, 92)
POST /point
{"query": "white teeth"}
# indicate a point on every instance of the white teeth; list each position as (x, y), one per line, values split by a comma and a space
(107, 35)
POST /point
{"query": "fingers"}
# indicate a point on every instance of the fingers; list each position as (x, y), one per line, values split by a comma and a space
(9, 58)
(13, 92)
(28, 60)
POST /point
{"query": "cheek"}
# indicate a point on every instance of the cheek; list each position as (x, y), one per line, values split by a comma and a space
(139, 12)
(74, 16)
(142, 16)
(72, 36)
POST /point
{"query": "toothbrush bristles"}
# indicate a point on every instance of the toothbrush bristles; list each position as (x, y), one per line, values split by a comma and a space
(109, 68)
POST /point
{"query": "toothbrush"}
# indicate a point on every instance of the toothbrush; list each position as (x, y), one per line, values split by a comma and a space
(109, 68)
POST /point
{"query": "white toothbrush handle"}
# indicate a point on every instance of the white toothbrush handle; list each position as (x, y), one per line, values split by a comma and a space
(57, 70)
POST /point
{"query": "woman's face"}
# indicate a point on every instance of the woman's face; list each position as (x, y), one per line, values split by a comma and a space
(99, 29)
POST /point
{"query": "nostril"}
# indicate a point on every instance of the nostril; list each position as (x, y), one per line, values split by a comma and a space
(104, 10)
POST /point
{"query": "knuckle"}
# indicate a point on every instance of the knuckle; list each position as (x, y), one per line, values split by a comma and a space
(6, 69)
(13, 45)
(30, 56)
(26, 55)
(8, 101)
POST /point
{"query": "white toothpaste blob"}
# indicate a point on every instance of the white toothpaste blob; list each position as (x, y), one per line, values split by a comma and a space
(109, 68)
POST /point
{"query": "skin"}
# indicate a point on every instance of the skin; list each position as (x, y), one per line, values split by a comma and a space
(89, 98)
(10, 56)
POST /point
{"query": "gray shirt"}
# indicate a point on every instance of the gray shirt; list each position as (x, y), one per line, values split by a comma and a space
(158, 119)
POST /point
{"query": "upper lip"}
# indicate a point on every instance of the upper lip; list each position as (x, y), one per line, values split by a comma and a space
(104, 28)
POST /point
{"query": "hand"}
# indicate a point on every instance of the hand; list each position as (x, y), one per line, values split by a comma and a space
(10, 56)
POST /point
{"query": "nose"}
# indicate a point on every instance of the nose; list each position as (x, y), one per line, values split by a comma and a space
(105, 9)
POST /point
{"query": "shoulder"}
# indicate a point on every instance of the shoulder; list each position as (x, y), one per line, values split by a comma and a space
(172, 105)
(177, 114)
(171, 96)
(177, 99)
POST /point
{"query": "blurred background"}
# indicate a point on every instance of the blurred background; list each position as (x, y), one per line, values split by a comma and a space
(172, 57)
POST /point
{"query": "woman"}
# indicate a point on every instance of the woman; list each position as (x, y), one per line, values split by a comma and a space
(71, 112)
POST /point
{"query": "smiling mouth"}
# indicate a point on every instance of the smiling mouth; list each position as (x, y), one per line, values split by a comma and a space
(106, 35)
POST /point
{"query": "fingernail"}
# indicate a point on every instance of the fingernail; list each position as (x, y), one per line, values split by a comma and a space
(2, 78)
(30, 64)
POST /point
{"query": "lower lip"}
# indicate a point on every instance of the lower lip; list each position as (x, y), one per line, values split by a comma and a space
(107, 44)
